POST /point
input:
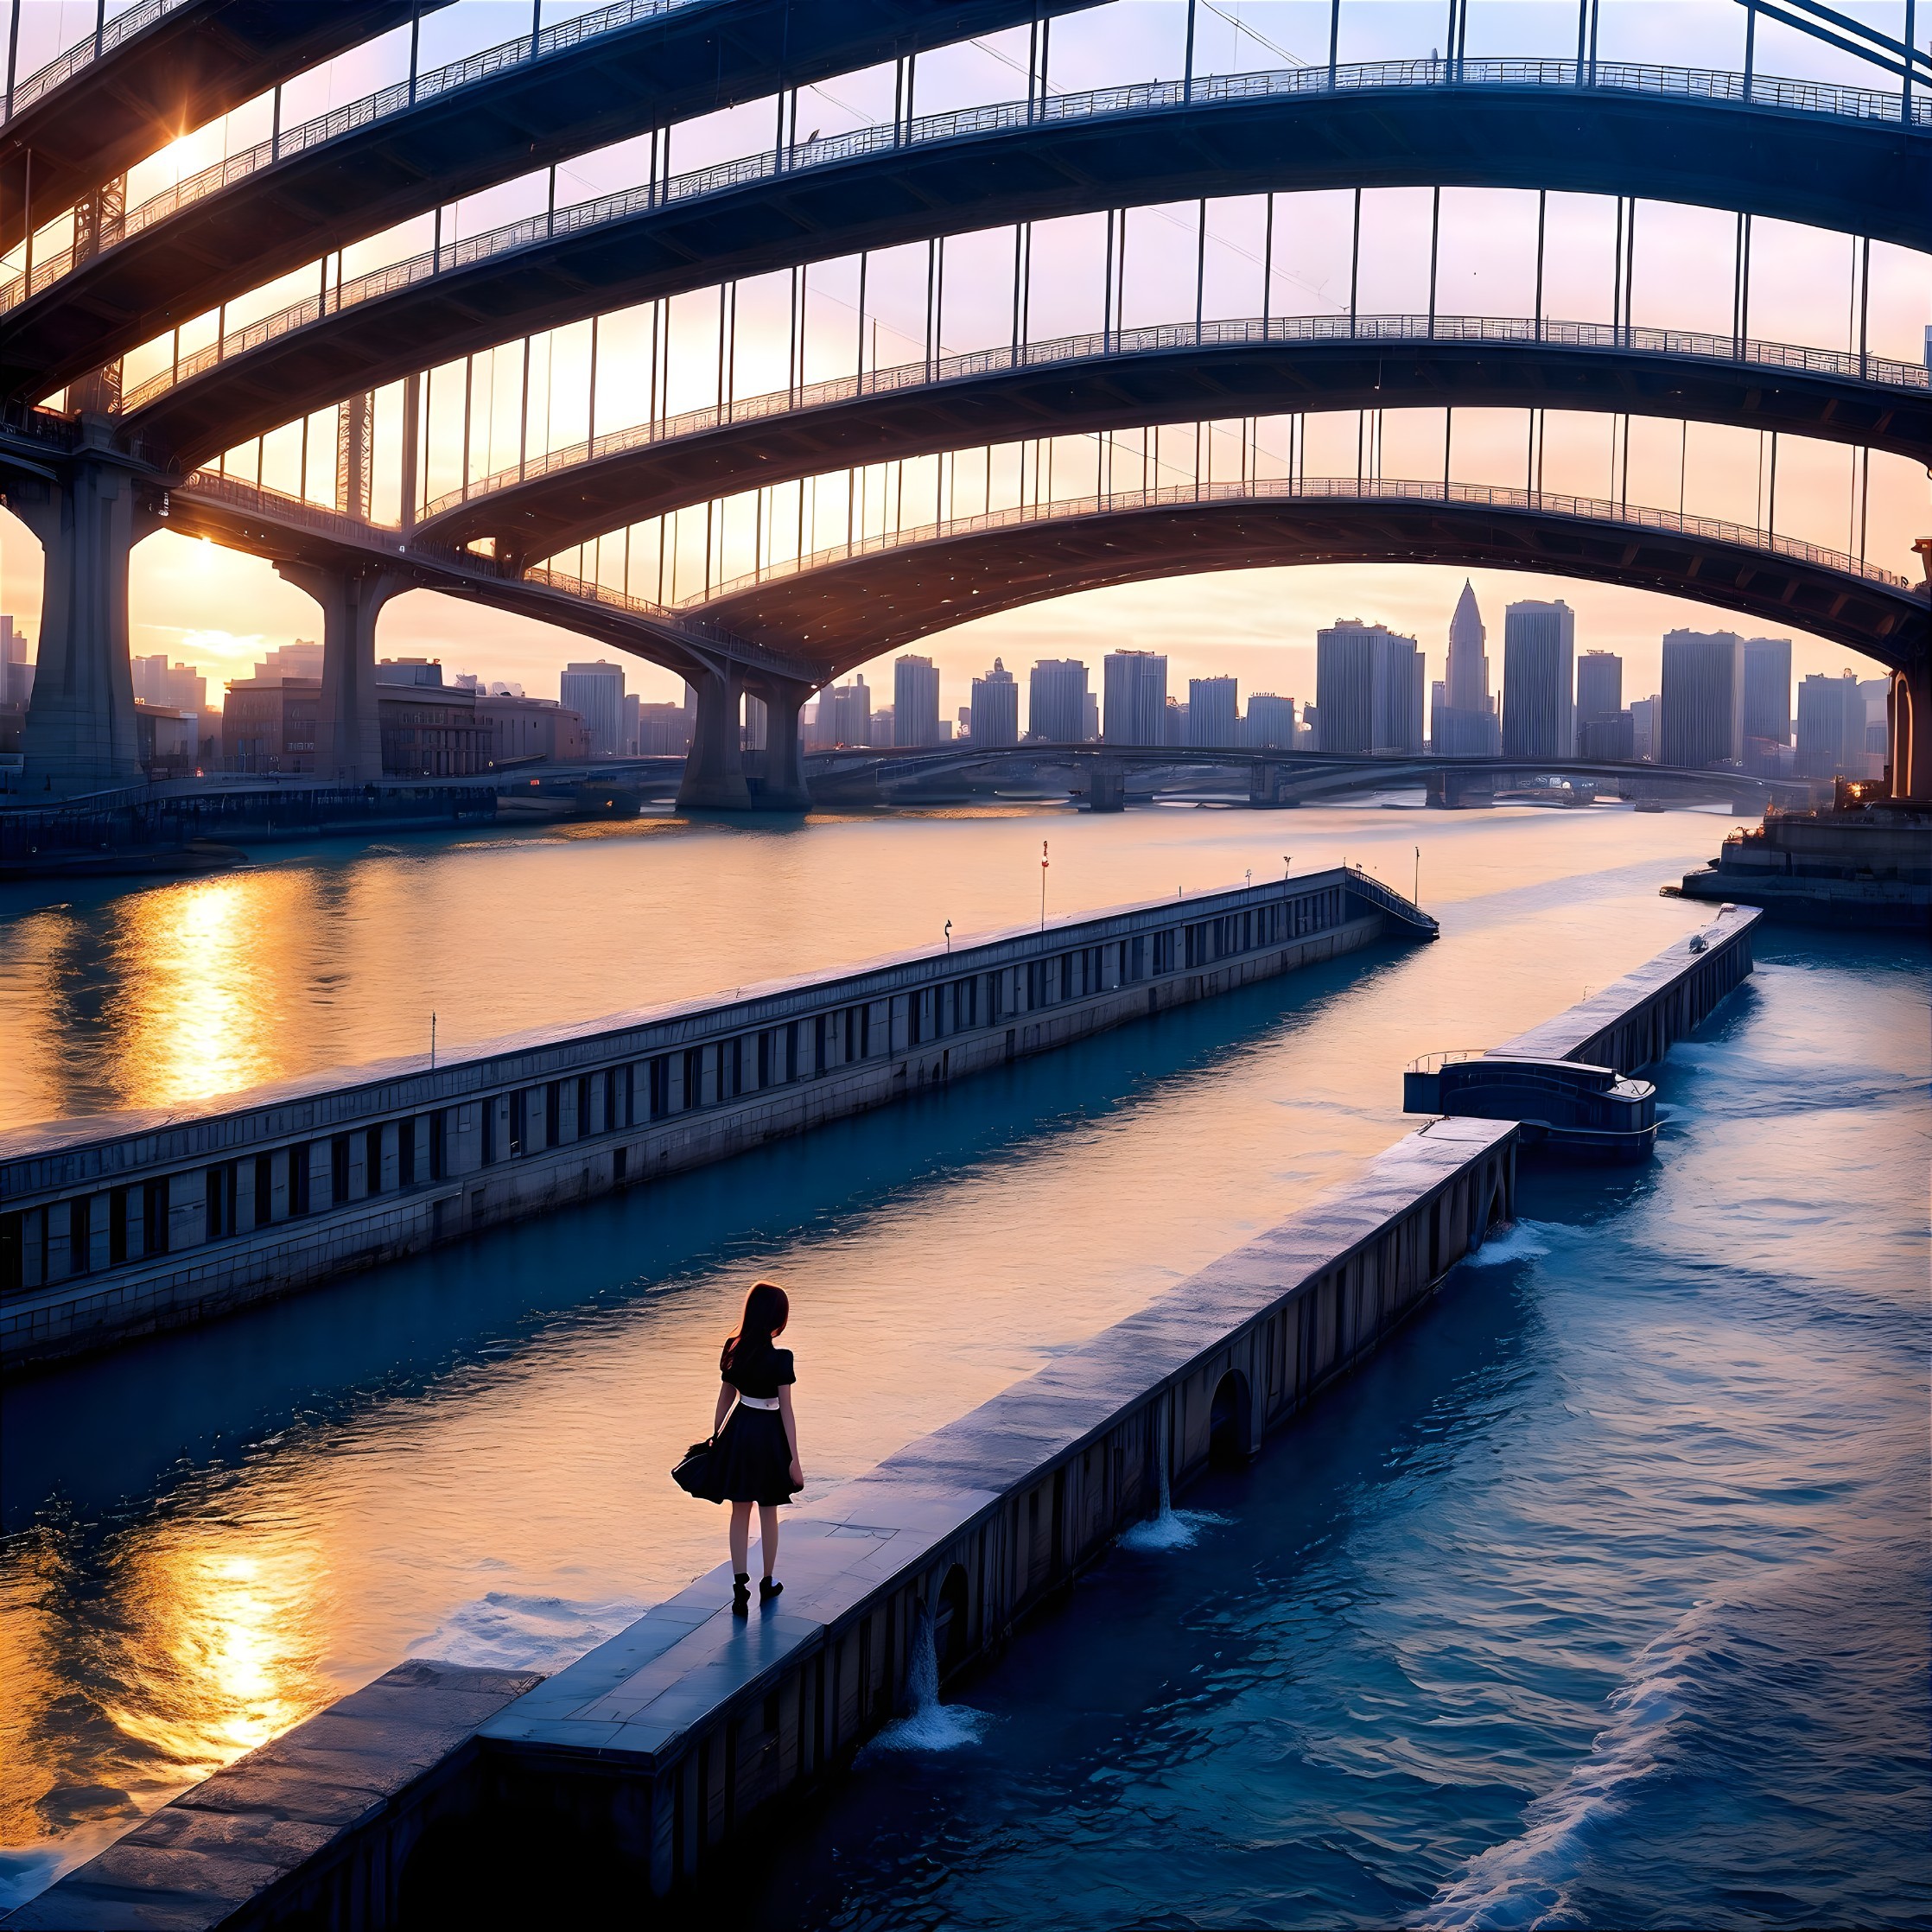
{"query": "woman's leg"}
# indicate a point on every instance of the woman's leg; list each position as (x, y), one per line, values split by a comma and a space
(768, 1535)
(740, 1538)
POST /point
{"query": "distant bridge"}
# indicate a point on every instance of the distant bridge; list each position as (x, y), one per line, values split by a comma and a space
(1106, 775)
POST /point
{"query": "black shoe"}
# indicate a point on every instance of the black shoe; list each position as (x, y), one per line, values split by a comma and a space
(768, 1589)
(741, 1594)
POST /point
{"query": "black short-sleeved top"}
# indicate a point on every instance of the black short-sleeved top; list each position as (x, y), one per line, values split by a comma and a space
(761, 1371)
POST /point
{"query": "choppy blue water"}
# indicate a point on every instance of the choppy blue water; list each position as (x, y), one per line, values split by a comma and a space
(1599, 1598)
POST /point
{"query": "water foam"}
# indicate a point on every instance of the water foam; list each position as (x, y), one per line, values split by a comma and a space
(1171, 1529)
(1516, 1240)
(1525, 1880)
(929, 1724)
(503, 1630)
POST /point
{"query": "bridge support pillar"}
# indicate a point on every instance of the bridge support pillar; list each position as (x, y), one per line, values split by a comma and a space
(81, 735)
(776, 775)
(715, 768)
(348, 729)
(1264, 787)
(1908, 732)
(1106, 785)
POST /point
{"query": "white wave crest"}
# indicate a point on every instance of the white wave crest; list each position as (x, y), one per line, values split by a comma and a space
(1171, 1529)
(1516, 1240)
(934, 1727)
(503, 1630)
(1525, 1881)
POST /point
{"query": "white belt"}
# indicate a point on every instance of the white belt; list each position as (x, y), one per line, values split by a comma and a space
(758, 1402)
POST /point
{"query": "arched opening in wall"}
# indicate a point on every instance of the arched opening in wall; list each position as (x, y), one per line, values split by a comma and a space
(1228, 1422)
(949, 1621)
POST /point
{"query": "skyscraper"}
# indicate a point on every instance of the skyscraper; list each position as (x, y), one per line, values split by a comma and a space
(1057, 700)
(1539, 678)
(995, 708)
(1462, 721)
(1700, 720)
(1213, 711)
(1136, 687)
(915, 701)
(1831, 728)
(1599, 685)
(844, 714)
(1768, 689)
(1368, 688)
(595, 693)
(1271, 721)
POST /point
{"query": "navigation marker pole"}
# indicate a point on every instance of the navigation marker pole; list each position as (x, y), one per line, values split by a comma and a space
(1042, 884)
(432, 1043)
(1418, 895)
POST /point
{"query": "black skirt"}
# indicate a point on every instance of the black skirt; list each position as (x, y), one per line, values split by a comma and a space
(751, 1461)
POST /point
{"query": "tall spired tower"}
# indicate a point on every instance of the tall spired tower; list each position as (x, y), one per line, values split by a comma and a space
(1468, 676)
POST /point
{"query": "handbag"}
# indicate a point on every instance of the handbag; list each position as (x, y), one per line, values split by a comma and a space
(689, 1475)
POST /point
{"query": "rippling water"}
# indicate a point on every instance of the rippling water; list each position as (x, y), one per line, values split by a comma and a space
(1661, 1440)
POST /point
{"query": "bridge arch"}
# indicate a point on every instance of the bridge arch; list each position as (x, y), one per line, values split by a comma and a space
(880, 594)
(1799, 152)
(1130, 378)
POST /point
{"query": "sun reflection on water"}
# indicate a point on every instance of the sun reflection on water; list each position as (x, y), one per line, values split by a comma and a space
(200, 965)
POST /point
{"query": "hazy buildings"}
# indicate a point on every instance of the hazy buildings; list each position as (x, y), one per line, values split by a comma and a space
(16, 675)
(1462, 721)
(595, 693)
(1768, 689)
(1831, 728)
(512, 729)
(996, 713)
(1214, 711)
(1644, 727)
(1539, 678)
(1700, 720)
(430, 730)
(1271, 721)
(1604, 729)
(1368, 688)
(916, 701)
(844, 715)
(1057, 701)
(664, 730)
(1134, 684)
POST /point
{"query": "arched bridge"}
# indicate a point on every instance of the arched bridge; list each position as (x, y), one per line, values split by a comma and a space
(1835, 157)
(861, 600)
(1114, 379)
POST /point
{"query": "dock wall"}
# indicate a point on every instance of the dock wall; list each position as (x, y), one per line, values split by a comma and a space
(115, 1227)
(1632, 1023)
(640, 1765)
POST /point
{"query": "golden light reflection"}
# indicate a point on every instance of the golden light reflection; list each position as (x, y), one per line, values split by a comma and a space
(226, 1656)
(198, 965)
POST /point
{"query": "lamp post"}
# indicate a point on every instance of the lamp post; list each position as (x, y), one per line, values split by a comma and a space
(949, 935)
(1042, 884)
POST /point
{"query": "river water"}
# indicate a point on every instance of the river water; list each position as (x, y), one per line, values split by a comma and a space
(1599, 1595)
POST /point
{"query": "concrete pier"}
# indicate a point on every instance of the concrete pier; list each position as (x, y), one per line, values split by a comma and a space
(1633, 1022)
(120, 1225)
(643, 1763)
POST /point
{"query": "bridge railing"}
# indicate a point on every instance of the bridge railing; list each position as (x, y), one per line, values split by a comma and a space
(1312, 489)
(1167, 338)
(85, 51)
(287, 141)
(937, 130)
(1367, 886)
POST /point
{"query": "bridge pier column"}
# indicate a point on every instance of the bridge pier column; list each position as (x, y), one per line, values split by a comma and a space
(776, 775)
(1908, 732)
(1264, 787)
(81, 735)
(348, 729)
(1106, 785)
(715, 767)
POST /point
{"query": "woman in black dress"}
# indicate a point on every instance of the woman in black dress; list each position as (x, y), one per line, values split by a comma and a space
(754, 1457)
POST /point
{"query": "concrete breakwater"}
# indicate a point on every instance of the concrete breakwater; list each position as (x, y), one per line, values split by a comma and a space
(115, 1226)
(639, 1765)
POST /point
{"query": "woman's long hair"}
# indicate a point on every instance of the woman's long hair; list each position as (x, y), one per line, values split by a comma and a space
(767, 1312)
